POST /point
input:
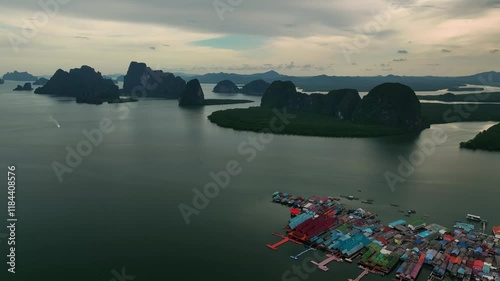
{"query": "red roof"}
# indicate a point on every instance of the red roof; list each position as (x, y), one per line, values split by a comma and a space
(448, 237)
(382, 240)
(496, 230)
(294, 211)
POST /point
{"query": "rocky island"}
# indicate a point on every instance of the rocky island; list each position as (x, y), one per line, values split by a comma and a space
(340, 113)
(1, 81)
(142, 81)
(85, 84)
(193, 96)
(391, 105)
(41, 81)
(451, 97)
(255, 88)
(19, 76)
(486, 140)
(226, 87)
(26, 87)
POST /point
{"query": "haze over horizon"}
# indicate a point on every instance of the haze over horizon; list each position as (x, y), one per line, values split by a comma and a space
(301, 38)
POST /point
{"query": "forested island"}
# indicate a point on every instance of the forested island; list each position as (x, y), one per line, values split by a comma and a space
(486, 140)
(389, 109)
(450, 97)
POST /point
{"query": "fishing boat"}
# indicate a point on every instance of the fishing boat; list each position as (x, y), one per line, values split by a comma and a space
(473, 217)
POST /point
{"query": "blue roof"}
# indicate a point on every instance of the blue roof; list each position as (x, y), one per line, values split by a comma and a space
(398, 222)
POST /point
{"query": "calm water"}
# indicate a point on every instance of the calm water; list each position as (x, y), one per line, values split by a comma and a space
(119, 207)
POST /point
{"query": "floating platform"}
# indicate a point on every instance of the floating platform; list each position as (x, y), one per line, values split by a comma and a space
(285, 239)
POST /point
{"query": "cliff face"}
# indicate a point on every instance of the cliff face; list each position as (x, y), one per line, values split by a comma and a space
(392, 105)
(226, 87)
(141, 80)
(192, 94)
(280, 94)
(79, 82)
(256, 88)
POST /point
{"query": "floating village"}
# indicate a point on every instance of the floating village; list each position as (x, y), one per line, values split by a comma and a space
(401, 248)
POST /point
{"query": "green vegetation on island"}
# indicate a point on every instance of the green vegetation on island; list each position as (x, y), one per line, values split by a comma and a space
(224, 101)
(486, 140)
(450, 97)
(440, 113)
(389, 109)
(257, 119)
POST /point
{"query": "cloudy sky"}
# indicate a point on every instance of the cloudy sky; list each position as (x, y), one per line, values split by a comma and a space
(295, 37)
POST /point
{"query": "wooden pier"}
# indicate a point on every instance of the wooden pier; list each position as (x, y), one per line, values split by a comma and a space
(285, 239)
(363, 274)
(322, 265)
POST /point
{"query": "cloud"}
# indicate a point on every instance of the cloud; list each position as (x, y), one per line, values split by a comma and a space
(232, 42)
(494, 51)
(399, 60)
(82, 37)
(309, 33)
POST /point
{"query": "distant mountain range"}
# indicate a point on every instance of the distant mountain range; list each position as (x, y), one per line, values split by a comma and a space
(326, 83)
(361, 83)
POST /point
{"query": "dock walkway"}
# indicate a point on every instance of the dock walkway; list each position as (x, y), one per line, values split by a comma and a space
(322, 265)
(285, 239)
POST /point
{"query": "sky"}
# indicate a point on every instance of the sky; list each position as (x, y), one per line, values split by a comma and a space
(294, 37)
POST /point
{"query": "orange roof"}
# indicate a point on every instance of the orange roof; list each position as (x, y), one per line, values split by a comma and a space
(496, 230)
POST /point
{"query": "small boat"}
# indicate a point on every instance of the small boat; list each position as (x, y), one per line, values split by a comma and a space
(394, 205)
(359, 190)
(348, 260)
(473, 217)
(367, 202)
(427, 216)
(411, 212)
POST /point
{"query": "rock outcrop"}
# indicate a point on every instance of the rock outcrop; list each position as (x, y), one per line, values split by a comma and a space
(255, 88)
(226, 87)
(1, 81)
(392, 105)
(26, 87)
(142, 81)
(337, 103)
(80, 82)
(192, 94)
(41, 81)
(19, 76)
(280, 94)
